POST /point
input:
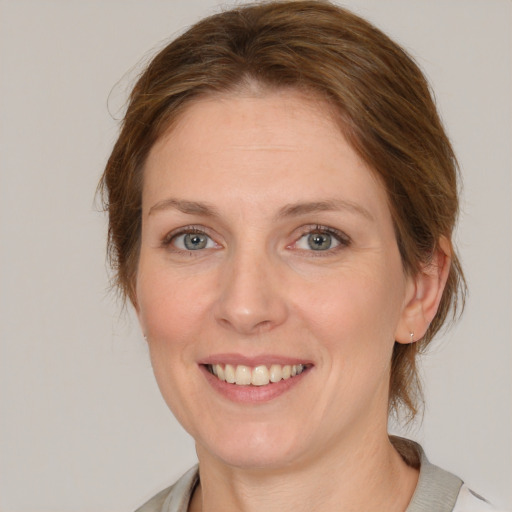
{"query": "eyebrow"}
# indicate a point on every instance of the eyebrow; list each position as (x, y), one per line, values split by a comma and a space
(330, 205)
(189, 207)
(290, 210)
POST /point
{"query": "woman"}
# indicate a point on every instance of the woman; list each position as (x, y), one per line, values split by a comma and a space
(281, 200)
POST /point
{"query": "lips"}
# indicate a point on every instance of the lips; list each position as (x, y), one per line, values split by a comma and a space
(254, 379)
(261, 375)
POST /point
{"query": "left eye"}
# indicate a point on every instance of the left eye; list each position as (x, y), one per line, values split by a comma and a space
(193, 242)
(317, 241)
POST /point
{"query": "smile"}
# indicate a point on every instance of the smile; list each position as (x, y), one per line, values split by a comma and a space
(262, 375)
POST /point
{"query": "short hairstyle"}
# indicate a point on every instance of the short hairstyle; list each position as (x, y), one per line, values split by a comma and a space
(379, 95)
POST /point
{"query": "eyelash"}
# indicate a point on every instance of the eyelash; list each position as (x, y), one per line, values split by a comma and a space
(185, 230)
(339, 236)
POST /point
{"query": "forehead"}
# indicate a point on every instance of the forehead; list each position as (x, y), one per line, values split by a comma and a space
(281, 144)
(273, 117)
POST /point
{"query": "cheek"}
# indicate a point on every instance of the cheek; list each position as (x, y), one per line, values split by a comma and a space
(354, 314)
(172, 314)
(171, 308)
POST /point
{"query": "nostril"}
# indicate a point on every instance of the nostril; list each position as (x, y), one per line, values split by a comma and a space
(264, 326)
(246, 325)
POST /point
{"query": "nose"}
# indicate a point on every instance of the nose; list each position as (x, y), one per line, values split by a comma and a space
(252, 294)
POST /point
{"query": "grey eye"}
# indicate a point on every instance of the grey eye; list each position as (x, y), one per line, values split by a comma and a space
(195, 241)
(319, 241)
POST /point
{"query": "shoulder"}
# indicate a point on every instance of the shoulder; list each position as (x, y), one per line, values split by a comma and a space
(174, 498)
(469, 501)
(155, 504)
(437, 490)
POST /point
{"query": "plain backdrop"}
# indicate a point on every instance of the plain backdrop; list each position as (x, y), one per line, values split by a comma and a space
(82, 425)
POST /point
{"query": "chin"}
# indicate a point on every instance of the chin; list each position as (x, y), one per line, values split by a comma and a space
(253, 448)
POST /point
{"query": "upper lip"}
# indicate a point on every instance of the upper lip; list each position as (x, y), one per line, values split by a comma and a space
(253, 361)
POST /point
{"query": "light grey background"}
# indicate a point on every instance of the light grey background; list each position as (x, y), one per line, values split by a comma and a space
(82, 424)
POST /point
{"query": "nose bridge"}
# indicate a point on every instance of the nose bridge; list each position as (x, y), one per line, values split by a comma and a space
(251, 295)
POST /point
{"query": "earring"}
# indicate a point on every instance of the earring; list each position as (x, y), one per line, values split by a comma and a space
(412, 337)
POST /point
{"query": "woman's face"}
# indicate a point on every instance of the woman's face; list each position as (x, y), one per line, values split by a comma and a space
(267, 244)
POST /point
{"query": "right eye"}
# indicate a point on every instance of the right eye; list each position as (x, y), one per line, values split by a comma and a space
(192, 241)
(318, 241)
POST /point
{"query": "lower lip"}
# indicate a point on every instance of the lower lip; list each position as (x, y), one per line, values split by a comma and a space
(252, 394)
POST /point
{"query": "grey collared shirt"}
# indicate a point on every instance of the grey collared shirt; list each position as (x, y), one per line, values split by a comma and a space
(437, 490)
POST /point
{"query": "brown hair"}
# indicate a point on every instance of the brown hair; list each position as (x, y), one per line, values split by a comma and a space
(385, 110)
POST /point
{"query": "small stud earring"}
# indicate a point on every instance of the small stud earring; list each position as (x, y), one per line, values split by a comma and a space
(412, 337)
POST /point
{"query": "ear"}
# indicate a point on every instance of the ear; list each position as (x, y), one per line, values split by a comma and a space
(424, 292)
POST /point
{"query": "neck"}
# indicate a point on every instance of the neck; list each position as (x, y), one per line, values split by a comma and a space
(370, 475)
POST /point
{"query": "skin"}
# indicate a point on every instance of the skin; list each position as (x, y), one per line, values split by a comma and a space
(258, 288)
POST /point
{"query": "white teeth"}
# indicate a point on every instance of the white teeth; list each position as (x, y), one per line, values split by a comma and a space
(229, 372)
(219, 371)
(260, 376)
(276, 373)
(242, 375)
